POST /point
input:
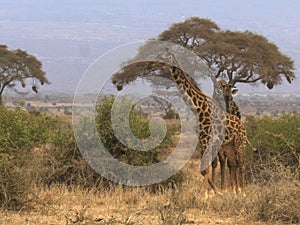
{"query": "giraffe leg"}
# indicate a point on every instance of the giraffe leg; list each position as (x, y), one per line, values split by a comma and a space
(231, 174)
(236, 180)
(205, 174)
(232, 165)
(208, 183)
(215, 189)
(242, 174)
(222, 159)
(241, 165)
(222, 165)
(214, 168)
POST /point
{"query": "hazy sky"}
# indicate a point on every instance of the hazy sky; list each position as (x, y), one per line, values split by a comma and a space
(61, 32)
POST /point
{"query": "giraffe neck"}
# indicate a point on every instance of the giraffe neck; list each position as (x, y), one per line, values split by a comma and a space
(191, 94)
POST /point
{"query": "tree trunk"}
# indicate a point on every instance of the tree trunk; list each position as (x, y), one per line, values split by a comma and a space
(1, 101)
(1, 95)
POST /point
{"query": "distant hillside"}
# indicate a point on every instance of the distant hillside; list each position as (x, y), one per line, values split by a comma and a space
(67, 36)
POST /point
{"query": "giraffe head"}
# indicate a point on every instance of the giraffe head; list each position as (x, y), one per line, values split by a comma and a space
(171, 61)
(168, 58)
(227, 89)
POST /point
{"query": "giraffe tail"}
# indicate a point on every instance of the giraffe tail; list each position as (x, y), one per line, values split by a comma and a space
(252, 148)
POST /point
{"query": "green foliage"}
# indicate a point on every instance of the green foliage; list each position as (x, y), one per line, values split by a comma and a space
(62, 162)
(278, 142)
(31, 140)
(20, 131)
(139, 127)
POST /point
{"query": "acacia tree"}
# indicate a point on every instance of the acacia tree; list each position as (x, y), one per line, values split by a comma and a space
(243, 57)
(238, 57)
(16, 68)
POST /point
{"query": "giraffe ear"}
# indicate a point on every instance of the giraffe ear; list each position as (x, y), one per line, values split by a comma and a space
(234, 91)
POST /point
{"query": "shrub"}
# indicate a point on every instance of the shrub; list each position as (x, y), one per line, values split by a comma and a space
(38, 149)
(278, 143)
(139, 126)
(62, 162)
(14, 185)
(19, 133)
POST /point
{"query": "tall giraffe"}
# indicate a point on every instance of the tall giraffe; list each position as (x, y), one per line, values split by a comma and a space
(206, 108)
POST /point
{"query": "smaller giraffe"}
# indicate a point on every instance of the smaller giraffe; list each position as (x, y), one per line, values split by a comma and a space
(228, 90)
(222, 88)
(224, 92)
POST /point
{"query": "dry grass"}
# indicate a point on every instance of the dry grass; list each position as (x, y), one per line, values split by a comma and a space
(119, 205)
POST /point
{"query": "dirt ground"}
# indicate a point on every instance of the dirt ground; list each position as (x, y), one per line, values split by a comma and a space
(75, 208)
(119, 205)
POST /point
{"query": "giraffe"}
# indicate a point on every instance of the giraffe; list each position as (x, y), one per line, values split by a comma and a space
(222, 88)
(225, 91)
(228, 91)
(206, 109)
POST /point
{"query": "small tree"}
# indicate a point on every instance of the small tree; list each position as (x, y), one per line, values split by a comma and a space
(16, 67)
